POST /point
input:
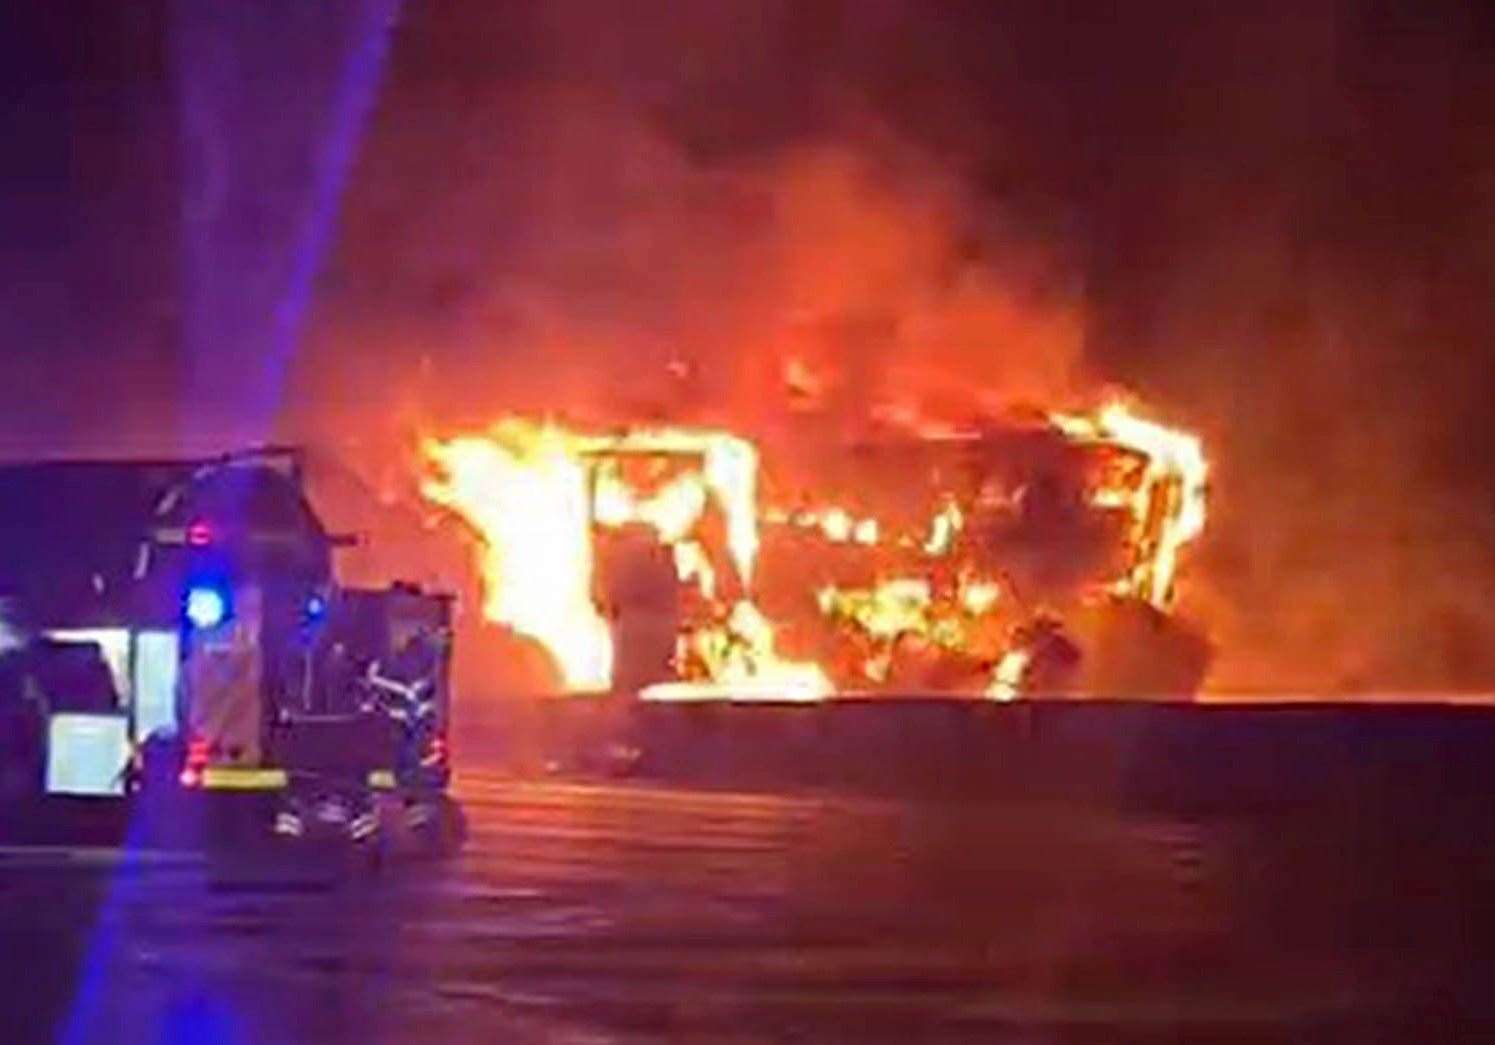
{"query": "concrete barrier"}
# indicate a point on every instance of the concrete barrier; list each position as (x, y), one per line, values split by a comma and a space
(1153, 754)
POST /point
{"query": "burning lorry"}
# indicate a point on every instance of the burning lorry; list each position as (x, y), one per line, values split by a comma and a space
(175, 626)
(1034, 555)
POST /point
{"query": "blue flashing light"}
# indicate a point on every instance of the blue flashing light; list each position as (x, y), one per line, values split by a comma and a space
(316, 607)
(206, 607)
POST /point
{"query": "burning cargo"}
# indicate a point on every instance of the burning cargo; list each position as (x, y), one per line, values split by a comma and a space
(1035, 556)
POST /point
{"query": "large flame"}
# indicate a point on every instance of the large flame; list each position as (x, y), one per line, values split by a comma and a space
(537, 494)
(533, 492)
(523, 488)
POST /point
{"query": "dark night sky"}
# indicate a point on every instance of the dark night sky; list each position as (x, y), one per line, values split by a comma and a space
(1276, 223)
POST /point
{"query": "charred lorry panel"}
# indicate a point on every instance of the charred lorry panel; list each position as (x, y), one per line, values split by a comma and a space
(638, 593)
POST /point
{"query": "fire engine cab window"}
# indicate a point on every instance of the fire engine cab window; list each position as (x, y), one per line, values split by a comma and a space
(157, 656)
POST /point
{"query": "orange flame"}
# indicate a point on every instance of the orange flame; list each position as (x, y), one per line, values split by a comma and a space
(1168, 506)
(535, 492)
(523, 488)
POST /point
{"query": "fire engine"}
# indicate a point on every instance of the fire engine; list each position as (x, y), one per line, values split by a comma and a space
(175, 628)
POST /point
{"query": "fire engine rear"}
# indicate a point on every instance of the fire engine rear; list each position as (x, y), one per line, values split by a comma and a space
(174, 629)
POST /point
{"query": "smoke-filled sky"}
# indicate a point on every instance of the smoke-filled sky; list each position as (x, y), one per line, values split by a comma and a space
(1274, 224)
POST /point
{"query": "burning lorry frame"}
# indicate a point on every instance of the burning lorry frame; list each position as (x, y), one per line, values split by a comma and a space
(1032, 556)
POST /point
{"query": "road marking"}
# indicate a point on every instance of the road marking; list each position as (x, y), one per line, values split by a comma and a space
(96, 856)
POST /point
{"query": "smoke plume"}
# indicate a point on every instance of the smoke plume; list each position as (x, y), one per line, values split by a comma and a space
(1275, 226)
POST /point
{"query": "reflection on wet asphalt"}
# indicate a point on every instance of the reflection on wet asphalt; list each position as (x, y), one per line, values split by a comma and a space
(596, 913)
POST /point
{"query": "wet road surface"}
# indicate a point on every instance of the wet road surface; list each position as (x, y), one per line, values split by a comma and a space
(628, 912)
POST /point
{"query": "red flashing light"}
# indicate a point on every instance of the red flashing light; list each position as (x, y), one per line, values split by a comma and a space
(196, 762)
(436, 752)
(199, 534)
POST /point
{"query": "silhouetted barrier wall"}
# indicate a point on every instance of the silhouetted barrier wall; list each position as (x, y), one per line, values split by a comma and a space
(1179, 755)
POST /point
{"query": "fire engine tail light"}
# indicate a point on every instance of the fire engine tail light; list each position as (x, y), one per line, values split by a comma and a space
(436, 752)
(199, 534)
(195, 763)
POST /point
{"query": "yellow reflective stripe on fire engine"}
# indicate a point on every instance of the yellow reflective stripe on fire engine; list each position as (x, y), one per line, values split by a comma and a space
(382, 779)
(235, 778)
